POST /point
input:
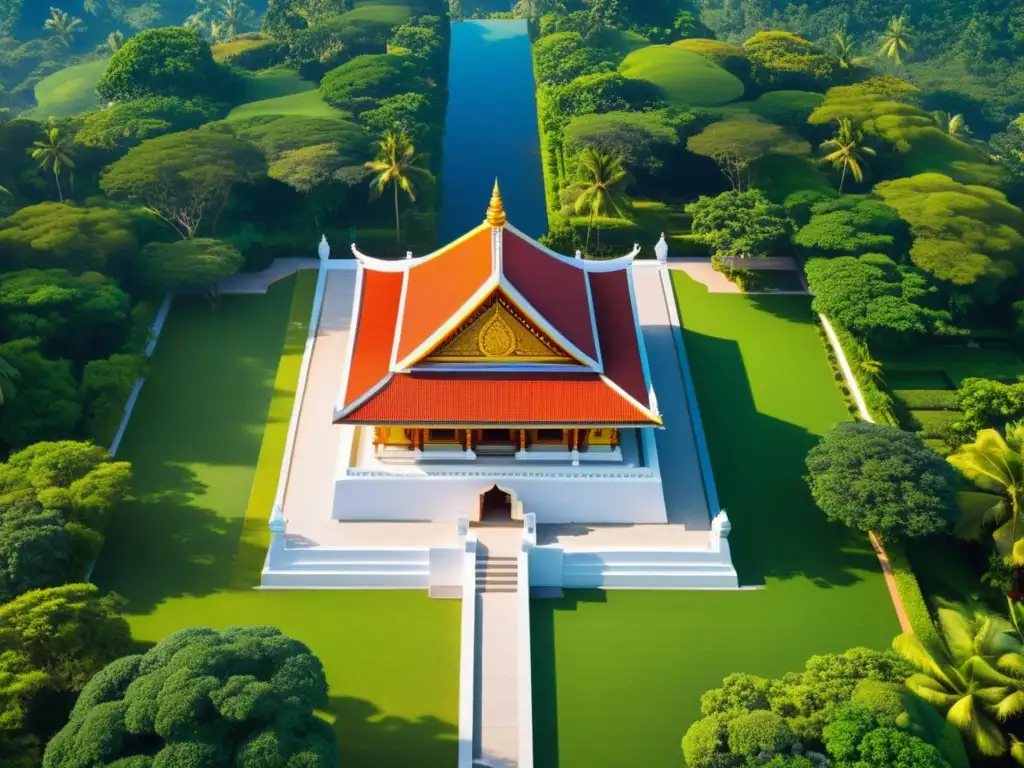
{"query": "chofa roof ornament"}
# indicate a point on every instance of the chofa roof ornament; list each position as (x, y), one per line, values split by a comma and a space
(496, 210)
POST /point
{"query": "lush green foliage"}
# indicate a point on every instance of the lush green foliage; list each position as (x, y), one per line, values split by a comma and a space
(784, 61)
(126, 124)
(853, 225)
(222, 698)
(686, 78)
(740, 225)
(878, 478)
(163, 62)
(48, 406)
(358, 84)
(106, 386)
(986, 404)
(737, 142)
(197, 263)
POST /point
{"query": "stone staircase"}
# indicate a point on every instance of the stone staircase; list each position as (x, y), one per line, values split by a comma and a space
(648, 569)
(496, 573)
(350, 568)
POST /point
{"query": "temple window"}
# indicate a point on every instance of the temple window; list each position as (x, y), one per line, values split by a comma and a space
(495, 435)
(441, 436)
(549, 436)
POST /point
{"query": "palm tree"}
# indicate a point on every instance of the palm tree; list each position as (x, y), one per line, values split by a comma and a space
(847, 151)
(995, 467)
(53, 153)
(954, 125)
(602, 188)
(845, 54)
(233, 15)
(896, 40)
(8, 375)
(397, 164)
(958, 675)
(206, 19)
(92, 7)
(115, 40)
(63, 26)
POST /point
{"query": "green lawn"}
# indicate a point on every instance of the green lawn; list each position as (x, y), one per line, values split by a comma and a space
(69, 92)
(687, 78)
(308, 104)
(618, 674)
(175, 551)
(275, 83)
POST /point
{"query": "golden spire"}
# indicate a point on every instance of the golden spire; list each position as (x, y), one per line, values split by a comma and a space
(496, 210)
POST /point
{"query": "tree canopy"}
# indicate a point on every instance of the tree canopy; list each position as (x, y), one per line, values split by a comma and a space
(181, 177)
(236, 697)
(171, 61)
(737, 142)
(358, 85)
(48, 406)
(76, 238)
(740, 225)
(873, 477)
(128, 123)
(198, 263)
(853, 225)
(785, 61)
(875, 298)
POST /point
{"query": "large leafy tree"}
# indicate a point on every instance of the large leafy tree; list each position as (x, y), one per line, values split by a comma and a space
(399, 166)
(35, 550)
(740, 225)
(601, 188)
(57, 235)
(875, 298)
(171, 61)
(182, 177)
(737, 142)
(197, 264)
(783, 60)
(961, 676)
(238, 697)
(994, 465)
(46, 405)
(873, 477)
(853, 225)
(129, 123)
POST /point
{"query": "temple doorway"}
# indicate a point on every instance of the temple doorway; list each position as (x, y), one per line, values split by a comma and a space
(495, 506)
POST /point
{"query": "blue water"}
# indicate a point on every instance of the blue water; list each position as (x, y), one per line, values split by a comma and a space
(491, 129)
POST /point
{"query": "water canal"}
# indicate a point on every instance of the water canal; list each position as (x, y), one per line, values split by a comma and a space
(491, 129)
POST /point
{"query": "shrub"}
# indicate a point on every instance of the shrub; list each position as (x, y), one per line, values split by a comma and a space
(359, 84)
(703, 742)
(910, 593)
(928, 399)
(934, 424)
(687, 79)
(781, 60)
(986, 403)
(759, 731)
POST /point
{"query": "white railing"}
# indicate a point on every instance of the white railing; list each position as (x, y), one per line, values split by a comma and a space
(467, 655)
(574, 473)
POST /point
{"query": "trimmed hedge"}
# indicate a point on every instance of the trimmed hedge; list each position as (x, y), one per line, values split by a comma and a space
(927, 399)
(910, 594)
(934, 424)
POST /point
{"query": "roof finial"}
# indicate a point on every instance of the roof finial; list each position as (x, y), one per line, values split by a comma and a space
(496, 210)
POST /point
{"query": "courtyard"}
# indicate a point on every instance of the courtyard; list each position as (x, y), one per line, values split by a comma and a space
(618, 675)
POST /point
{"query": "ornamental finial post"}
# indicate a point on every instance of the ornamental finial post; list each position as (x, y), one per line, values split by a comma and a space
(496, 209)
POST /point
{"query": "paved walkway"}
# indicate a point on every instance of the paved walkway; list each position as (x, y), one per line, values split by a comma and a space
(681, 478)
(705, 274)
(259, 282)
(497, 660)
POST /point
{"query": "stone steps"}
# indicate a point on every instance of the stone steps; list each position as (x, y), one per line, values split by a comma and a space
(496, 574)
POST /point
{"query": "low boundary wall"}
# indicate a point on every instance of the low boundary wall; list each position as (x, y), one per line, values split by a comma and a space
(467, 654)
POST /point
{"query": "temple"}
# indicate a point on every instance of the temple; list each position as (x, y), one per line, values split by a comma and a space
(498, 355)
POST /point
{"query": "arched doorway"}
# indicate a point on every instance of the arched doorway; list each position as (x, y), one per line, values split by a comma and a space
(495, 506)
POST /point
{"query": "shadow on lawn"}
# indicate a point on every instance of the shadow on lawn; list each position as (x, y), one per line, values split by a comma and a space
(367, 737)
(758, 461)
(545, 691)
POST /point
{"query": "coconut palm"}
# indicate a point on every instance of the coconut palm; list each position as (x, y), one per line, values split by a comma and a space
(8, 375)
(847, 151)
(896, 40)
(995, 467)
(115, 40)
(397, 164)
(92, 7)
(206, 19)
(53, 153)
(954, 125)
(601, 188)
(234, 14)
(958, 675)
(63, 26)
(845, 51)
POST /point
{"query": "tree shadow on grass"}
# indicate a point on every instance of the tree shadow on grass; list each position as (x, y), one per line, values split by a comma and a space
(758, 462)
(369, 738)
(161, 544)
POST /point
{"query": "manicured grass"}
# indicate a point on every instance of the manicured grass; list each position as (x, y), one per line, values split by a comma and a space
(308, 104)
(69, 92)
(618, 675)
(621, 41)
(687, 78)
(195, 445)
(231, 49)
(385, 12)
(275, 83)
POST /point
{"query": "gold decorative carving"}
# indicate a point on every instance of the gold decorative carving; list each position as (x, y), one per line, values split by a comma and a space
(496, 209)
(496, 332)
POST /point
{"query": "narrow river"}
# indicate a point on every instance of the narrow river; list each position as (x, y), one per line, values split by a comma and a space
(491, 129)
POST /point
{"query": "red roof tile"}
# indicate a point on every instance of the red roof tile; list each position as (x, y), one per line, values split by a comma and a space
(440, 286)
(536, 399)
(555, 289)
(616, 327)
(375, 332)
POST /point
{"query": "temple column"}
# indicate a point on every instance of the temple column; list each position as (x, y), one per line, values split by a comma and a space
(522, 440)
(615, 439)
(575, 447)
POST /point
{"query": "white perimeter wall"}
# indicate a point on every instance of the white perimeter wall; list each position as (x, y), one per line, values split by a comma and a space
(567, 499)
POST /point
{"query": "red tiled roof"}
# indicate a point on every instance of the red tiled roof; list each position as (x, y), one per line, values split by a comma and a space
(375, 333)
(616, 325)
(438, 287)
(555, 289)
(499, 398)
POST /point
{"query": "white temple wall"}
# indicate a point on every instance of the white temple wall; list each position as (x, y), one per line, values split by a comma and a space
(580, 499)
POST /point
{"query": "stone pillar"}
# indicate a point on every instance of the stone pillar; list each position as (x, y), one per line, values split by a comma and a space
(615, 439)
(522, 439)
(278, 525)
(575, 447)
(720, 526)
(661, 250)
(324, 249)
